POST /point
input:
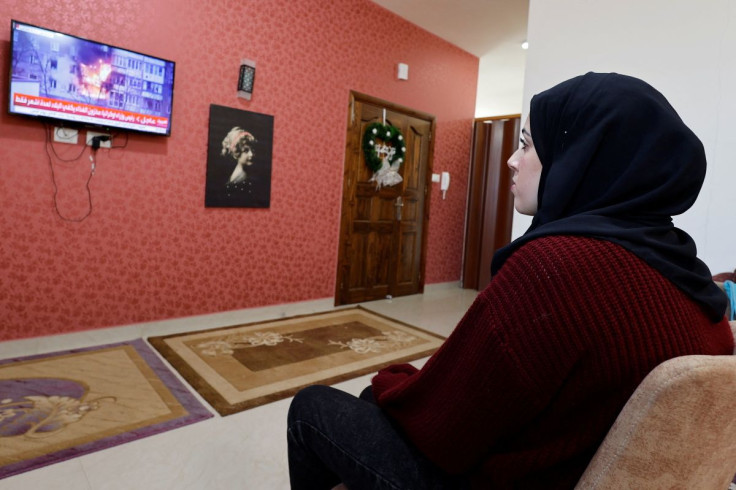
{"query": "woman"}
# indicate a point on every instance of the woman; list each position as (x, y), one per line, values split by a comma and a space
(600, 290)
(238, 143)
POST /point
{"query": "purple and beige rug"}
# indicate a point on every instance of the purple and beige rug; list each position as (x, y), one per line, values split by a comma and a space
(239, 367)
(62, 405)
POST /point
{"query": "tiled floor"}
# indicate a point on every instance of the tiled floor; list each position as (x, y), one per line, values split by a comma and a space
(246, 450)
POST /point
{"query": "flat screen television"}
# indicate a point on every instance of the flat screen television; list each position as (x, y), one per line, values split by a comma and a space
(68, 79)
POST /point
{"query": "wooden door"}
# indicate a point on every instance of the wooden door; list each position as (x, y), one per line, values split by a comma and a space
(490, 202)
(383, 231)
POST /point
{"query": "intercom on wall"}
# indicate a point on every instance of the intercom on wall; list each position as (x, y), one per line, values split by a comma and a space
(444, 183)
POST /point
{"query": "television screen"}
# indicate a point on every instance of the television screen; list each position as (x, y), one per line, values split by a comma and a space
(70, 79)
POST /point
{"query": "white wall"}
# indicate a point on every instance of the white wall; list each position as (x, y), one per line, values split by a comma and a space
(684, 48)
(501, 81)
(502, 61)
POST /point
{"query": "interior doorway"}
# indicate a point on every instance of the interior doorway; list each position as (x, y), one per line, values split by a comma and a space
(490, 201)
(383, 232)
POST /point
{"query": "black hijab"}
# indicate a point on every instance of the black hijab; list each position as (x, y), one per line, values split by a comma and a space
(617, 164)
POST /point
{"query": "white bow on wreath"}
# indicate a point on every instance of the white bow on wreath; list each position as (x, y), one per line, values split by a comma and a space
(388, 174)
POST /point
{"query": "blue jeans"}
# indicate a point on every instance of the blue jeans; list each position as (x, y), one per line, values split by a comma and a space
(335, 437)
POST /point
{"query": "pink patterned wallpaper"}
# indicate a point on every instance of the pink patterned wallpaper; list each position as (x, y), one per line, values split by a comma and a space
(150, 250)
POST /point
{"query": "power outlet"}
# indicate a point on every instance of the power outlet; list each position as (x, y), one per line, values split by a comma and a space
(66, 135)
(103, 144)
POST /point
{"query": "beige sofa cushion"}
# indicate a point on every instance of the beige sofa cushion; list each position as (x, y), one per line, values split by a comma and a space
(678, 430)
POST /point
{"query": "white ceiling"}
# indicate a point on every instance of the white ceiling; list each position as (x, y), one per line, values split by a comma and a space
(477, 26)
(492, 30)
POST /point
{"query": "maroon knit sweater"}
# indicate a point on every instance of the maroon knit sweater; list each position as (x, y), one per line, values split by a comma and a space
(526, 387)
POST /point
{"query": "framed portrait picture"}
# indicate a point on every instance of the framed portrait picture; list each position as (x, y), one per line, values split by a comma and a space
(238, 159)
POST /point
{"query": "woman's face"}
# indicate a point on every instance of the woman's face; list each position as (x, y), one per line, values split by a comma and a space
(246, 155)
(527, 170)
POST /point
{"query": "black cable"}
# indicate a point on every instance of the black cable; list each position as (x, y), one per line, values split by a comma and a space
(56, 188)
(114, 138)
(50, 141)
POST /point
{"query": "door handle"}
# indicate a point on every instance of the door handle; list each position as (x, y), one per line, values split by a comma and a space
(398, 204)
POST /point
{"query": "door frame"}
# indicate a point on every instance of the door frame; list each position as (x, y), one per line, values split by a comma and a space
(351, 122)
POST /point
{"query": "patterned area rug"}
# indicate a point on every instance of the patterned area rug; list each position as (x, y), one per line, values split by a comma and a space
(62, 405)
(243, 366)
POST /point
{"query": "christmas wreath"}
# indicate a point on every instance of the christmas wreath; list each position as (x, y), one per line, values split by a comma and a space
(393, 148)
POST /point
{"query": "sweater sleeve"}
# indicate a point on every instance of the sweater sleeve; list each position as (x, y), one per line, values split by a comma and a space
(486, 380)
(392, 376)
